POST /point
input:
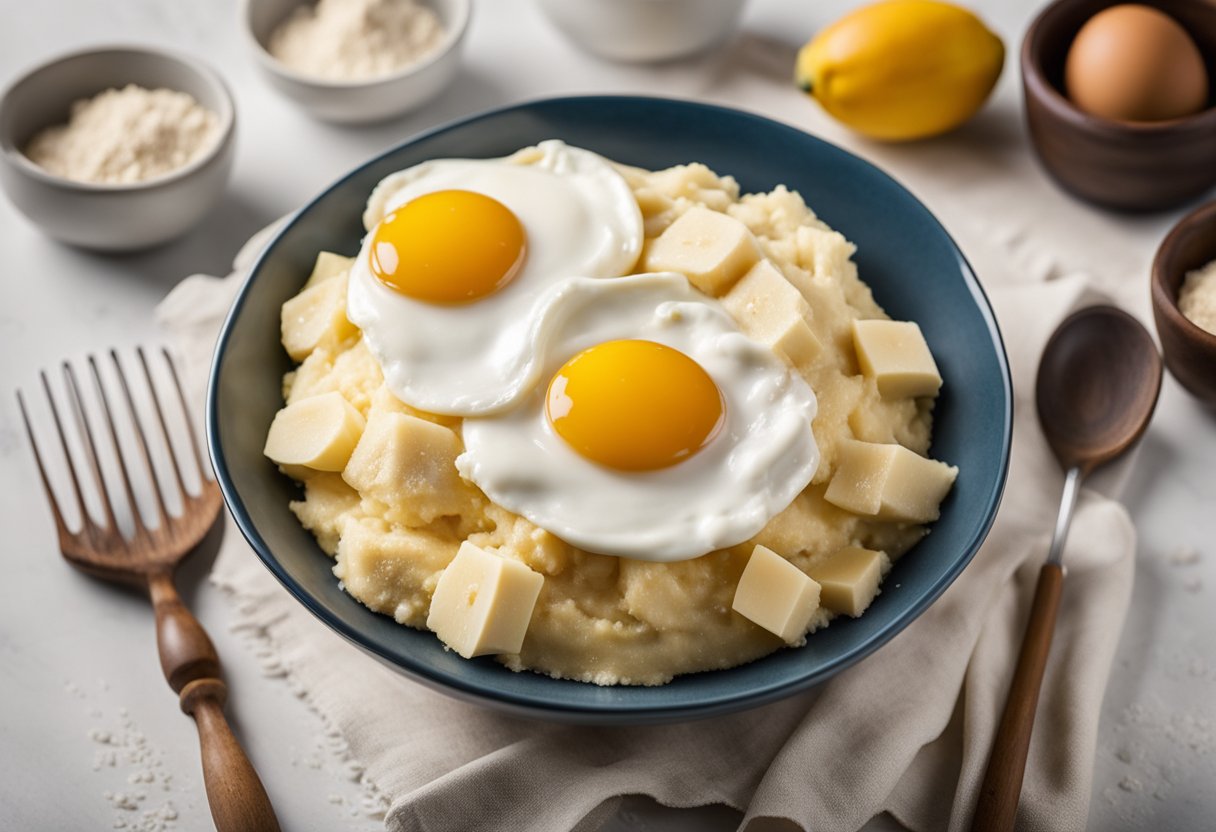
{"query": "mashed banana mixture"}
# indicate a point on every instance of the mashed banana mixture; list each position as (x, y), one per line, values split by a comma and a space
(604, 619)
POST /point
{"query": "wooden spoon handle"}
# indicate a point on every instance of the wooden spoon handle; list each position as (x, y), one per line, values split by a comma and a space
(238, 800)
(996, 810)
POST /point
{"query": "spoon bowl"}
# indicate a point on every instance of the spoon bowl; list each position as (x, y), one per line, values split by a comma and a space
(1097, 386)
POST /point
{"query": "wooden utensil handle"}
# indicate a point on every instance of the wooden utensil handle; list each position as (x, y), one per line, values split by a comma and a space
(237, 798)
(996, 810)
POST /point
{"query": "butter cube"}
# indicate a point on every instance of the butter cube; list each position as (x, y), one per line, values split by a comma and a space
(326, 266)
(318, 432)
(712, 250)
(770, 310)
(316, 318)
(409, 464)
(889, 482)
(483, 603)
(896, 355)
(848, 579)
(777, 595)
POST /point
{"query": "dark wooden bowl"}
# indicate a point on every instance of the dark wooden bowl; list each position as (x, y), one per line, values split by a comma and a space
(1125, 165)
(1190, 352)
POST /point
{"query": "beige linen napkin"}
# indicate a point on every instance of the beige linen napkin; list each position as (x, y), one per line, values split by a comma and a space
(906, 731)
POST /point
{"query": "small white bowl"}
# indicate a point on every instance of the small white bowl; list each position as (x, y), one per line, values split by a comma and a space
(641, 31)
(120, 217)
(364, 100)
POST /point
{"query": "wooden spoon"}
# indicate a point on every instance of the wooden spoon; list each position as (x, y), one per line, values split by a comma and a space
(1096, 390)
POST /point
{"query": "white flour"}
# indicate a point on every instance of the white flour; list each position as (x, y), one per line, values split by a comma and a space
(128, 135)
(347, 40)
(141, 794)
(1197, 300)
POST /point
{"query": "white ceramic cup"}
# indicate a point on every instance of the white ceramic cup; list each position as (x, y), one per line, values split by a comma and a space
(639, 31)
(363, 100)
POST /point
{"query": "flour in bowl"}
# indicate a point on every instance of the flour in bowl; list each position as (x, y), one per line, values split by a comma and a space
(1197, 300)
(351, 40)
(124, 136)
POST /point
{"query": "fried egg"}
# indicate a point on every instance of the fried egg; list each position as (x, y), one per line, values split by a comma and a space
(660, 432)
(462, 257)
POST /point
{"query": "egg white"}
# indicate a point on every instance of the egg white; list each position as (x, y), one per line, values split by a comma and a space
(763, 456)
(580, 218)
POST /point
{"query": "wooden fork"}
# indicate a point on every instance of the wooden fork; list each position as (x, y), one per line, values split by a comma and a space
(189, 661)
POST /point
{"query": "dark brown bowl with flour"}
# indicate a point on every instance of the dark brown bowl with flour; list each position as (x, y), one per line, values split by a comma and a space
(1190, 350)
(1123, 165)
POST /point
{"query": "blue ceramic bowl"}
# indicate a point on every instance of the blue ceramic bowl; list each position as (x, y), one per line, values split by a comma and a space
(914, 268)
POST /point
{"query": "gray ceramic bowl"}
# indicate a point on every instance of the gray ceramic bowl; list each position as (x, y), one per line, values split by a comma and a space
(1190, 350)
(111, 217)
(364, 101)
(641, 31)
(916, 271)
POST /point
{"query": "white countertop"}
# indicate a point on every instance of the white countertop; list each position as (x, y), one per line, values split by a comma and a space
(86, 712)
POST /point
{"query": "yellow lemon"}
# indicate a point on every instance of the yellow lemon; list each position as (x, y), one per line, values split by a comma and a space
(902, 69)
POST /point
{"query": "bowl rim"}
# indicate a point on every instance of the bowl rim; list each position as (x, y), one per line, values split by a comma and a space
(1045, 93)
(531, 706)
(451, 40)
(226, 113)
(1166, 300)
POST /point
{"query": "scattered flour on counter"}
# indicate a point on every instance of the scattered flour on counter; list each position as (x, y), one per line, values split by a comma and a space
(145, 802)
(1189, 737)
(1184, 556)
(119, 137)
(350, 40)
(1199, 669)
(1131, 784)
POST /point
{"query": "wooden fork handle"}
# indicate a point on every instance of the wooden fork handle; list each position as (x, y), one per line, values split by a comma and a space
(238, 800)
(996, 810)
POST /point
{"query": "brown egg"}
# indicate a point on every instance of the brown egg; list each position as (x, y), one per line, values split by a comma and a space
(1135, 63)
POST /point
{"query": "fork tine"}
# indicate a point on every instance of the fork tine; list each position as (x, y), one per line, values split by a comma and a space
(164, 429)
(90, 446)
(181, 397)
(46, 484)
(142, 441)
(85, 519)
(136, 517)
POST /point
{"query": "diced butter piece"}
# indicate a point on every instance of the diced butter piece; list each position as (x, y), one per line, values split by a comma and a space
(316, 318)
(326, 266)
(848, 579)
(770, 310)
(318, 432)
(483, 603)
(777, 595)
(896, 355)
(711, 249)
(407, 462)
(889, 482)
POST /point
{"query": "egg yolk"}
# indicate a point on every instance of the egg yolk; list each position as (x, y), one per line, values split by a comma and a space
(448, 247)
(634, 405)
